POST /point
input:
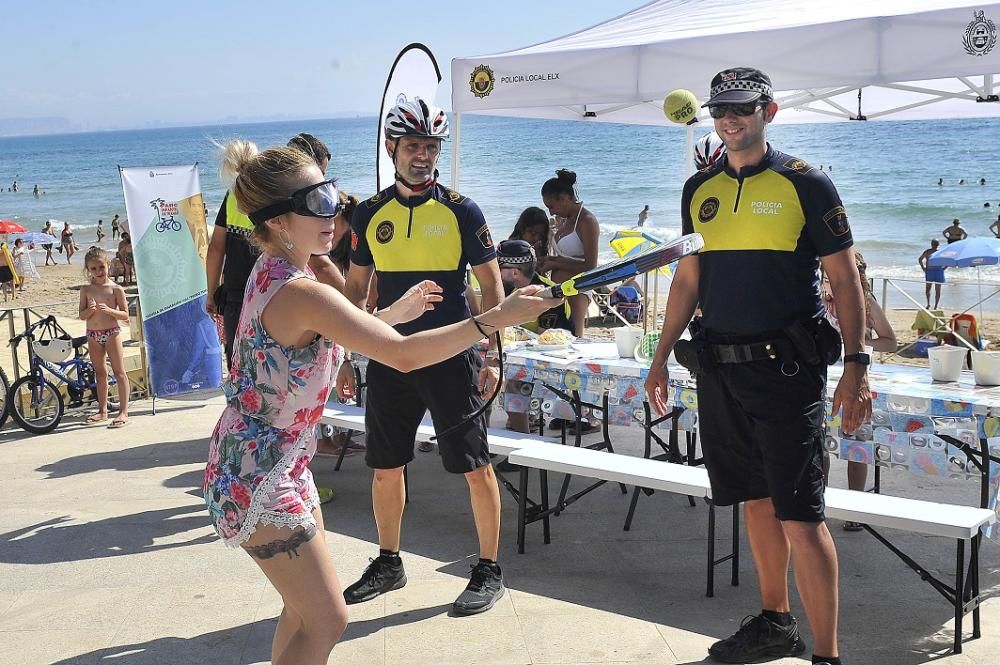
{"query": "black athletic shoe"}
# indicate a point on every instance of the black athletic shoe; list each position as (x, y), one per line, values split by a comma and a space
(759, 639)
(483, 591)
(379, 577)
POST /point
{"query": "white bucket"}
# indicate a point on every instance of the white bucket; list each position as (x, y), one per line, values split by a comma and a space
(946, 362)
(986, 366)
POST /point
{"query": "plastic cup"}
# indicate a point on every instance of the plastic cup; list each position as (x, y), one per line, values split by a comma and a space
(627, 339)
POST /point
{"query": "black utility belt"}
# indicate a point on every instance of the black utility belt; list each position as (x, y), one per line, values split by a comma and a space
(816, 345)
(745, 353)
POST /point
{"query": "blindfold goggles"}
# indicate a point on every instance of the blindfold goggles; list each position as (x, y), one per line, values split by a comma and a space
(319, 200)
(743, 110)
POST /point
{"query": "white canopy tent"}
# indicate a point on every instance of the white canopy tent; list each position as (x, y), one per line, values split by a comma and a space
(620, 70)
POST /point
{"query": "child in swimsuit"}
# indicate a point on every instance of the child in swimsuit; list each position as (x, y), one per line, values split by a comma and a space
(102, 306)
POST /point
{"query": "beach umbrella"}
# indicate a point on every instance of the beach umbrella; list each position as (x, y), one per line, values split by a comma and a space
(35, 238)
(629, 242)
(969, 253)
(7, 226)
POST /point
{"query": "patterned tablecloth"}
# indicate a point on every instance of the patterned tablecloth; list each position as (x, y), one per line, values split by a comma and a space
(910, 411)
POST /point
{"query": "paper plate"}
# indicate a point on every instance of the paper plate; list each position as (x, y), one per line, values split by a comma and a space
(548, 347)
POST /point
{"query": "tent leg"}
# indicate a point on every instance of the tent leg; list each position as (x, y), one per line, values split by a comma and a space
(456, 136)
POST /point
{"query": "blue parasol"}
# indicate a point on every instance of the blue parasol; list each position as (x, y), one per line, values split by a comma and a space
(35, 237)
(969, 253)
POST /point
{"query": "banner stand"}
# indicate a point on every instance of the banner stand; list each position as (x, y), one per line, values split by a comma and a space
(166, 214)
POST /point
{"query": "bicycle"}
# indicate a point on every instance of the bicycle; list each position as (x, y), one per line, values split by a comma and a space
(4, 408)
(36, 403)
(168, 224)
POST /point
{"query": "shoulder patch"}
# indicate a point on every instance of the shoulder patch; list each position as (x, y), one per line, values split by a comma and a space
(452, 195)
(375, 200)
(836, 220)
(799, 165)
(485, 239)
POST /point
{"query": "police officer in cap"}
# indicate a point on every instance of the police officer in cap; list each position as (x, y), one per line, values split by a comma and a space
(769, 220)
(518, 268)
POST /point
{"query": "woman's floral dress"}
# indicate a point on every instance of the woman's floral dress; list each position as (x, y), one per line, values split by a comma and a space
(258, 463)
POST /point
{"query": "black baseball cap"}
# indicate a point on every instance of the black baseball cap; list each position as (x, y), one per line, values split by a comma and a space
(740, 85)
(515, 252)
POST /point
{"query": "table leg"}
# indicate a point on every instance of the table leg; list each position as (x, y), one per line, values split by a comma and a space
(522, 508)
(959, 594)
(543, 482)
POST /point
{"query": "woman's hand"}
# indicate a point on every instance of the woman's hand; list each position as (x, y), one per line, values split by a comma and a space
(346, 385)
(411, 305)
(525, 304)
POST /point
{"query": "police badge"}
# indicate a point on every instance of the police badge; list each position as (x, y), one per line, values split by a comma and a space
(980, 35)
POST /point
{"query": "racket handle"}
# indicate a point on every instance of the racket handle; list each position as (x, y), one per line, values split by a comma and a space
(554, 291)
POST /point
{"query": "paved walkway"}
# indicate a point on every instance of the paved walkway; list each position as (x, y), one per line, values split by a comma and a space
(106, 556)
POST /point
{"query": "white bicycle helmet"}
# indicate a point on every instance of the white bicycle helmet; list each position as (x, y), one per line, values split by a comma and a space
(707, 150)
(415, 117)
(54, 350)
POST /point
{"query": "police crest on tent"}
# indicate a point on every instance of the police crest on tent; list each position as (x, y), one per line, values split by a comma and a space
(482, 81)
(980, 35)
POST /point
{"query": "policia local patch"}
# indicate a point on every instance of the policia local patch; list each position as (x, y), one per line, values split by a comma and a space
(836, 220)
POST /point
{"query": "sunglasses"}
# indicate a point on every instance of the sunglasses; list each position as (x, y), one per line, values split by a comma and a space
(319, 200)
(742, 110)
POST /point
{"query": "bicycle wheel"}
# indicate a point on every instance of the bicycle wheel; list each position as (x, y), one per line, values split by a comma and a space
(35, 404)
(5, 407)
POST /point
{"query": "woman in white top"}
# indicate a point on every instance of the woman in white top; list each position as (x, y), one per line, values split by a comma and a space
(574, 240)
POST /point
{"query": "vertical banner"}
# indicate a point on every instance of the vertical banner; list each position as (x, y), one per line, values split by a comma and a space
(414, 73)
(166, 221)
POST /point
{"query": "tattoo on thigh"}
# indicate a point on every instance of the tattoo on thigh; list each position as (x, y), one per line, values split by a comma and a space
(289, 546)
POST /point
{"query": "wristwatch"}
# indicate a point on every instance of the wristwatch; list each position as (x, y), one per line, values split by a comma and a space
(860, 358)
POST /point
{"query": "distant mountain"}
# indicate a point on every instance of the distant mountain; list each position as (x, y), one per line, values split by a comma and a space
(32, 126)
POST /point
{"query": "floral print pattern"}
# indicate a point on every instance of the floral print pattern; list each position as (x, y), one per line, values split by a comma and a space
(258, 462)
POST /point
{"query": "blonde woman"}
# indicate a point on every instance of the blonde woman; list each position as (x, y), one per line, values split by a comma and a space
(257, 484)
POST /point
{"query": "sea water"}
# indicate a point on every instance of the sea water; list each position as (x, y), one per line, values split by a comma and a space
(886, 173)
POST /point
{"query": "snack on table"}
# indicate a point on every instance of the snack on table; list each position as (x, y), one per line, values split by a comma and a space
(555, 336)
(515, 334)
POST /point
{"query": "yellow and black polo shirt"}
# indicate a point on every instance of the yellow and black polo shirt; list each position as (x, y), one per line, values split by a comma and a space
(433, 236)
(765, 229)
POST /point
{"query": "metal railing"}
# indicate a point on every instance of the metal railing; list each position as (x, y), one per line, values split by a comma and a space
(942, 324)
(18, 319)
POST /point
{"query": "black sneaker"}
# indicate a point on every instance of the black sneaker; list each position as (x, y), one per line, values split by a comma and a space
(379, 577)
(483, 591)
(759, 639)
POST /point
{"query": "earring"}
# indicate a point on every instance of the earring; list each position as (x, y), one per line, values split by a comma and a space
(285, 240)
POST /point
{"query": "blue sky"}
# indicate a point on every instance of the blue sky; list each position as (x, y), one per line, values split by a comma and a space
(109, 63)
(105, 64)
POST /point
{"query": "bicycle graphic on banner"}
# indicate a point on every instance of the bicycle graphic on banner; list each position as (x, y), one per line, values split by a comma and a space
(165, 212)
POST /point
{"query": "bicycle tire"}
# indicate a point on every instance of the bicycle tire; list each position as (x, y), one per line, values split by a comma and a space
(50, 411)
(5, 386)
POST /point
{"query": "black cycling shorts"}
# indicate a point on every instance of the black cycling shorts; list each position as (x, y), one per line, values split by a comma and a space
(762, 436)
(396, 404)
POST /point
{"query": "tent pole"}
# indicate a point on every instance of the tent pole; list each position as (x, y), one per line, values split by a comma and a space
(456, 128)
(688, 151)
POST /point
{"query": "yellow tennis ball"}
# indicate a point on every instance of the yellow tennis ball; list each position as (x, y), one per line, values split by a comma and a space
(681, 106)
